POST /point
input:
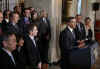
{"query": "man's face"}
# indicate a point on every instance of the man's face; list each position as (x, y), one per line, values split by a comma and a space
(11, 43)
(79, 18)
(88, 22)
(18, 9)
(1, 17)
(34, 31)
(73, 23)
(21, 42)
(16, 18)
(27, 13)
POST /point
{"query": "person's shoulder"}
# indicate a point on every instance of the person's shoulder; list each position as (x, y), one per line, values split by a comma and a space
(65, 31)
(2, 53)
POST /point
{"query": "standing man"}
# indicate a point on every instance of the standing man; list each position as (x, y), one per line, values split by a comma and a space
(25, 20)
(6, 57)
(13, 25)
(80, 29)
(69, 44)
(31, 48)
(45, 36)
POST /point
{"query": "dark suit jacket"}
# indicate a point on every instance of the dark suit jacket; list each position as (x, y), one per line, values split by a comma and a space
(89, 37)
(11, 27)
(71, 55)
(80, 35)
(45, 29)
(67, 42)
(5, 61)
(44, 37)
(32, 53)
(20, 57)
(4, 25)
(23, 24)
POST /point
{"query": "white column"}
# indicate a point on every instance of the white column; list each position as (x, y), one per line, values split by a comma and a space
(56, 8)
(74, 7)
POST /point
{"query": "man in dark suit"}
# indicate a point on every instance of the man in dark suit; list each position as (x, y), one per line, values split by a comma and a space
(80, 29)
(13, 25)
(6, 57)
(69, 44)
(5, 21)
(25, 20)
(31, 48)
(45, 36)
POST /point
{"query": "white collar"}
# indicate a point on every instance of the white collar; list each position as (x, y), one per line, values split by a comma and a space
(7, 20)
(70, 28)
(13, 24)
(32, 37)
(8, 52)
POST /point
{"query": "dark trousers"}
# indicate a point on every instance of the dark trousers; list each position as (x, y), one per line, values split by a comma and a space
(43, 48)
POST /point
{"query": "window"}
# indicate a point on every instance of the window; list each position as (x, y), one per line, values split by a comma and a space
(79, 6)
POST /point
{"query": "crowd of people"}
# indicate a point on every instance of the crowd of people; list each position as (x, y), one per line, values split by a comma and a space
(24, 38)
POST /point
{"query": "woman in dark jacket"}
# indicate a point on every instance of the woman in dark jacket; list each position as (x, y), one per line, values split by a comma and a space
(89, 32)
(89, 40)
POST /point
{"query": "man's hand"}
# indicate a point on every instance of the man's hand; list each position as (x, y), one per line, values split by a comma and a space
(80, 41)
(82, 45)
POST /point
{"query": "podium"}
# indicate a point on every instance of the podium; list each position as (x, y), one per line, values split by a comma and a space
(81, 58)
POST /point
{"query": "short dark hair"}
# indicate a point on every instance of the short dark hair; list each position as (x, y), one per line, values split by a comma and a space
(19, 36)
(30, 27)
(5, 13)
(16, 7)
(68, 19)
(6, 35)
(78, 15)
(26, 9)
(12, 13)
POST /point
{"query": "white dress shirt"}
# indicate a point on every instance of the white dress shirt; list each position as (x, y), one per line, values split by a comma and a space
(32, 38)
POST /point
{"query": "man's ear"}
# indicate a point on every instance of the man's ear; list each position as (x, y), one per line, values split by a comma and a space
(4, 43)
